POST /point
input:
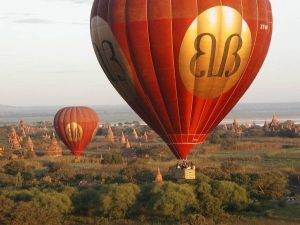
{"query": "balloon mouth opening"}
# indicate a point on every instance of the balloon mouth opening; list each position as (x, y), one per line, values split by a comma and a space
(183, 143)
(181, 150)
(77, 154)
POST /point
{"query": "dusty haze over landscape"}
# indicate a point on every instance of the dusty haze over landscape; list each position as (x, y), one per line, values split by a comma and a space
(245, 112)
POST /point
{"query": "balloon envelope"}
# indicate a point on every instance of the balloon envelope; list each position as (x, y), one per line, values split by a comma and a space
(76, 126)
(182, 65)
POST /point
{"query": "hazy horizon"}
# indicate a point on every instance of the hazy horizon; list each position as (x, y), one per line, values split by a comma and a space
(47, 58)
(256, 112)
(125, 104)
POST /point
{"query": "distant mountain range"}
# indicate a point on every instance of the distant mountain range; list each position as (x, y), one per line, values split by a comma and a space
(258, 112)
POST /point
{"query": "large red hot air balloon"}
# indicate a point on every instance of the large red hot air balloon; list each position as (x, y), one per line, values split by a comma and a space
(182, 65)
(76, 126)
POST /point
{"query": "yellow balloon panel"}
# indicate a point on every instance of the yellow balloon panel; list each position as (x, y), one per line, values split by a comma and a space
(215, 52)
(74, 132)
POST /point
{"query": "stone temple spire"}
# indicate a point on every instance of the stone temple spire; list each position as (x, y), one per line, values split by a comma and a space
(123, 139)
(135, 135)
(275, 123)
(14, 139)
(145, 137)
(54, 149)
(128, 145)
(110, 137)
(30, 145)
(158, 177)
(2, 151)
(236, 127)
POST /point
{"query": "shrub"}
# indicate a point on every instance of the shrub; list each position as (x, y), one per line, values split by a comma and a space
(240, 179)
(117, 200)
(203, 189)
(134, 174)
(50, 199)
(216, 173)
(254, 132)
(15, 167)
(270, 185)
(23, 172)
(229, 167)
(144, 176)
(7, 180)
(127, 174)
(86, 202)
(198, 219)
(22, 196)
(232, 196)
(229, 143)
(75, 220)
(19, 180)
(208, 205)
(172, 200)
(215, 138)
(69, 191)
(112, 157)
(200, 177)
(37, 216)
(6, 208)
(33, 207)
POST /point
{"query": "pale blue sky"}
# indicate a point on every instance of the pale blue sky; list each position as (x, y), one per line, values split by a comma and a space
(46, 57)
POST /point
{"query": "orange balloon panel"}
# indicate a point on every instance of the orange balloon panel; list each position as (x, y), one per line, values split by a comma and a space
(76, 126)
(182, 65)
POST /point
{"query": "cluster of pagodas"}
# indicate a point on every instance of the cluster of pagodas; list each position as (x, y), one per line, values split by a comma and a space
(126, 140)
(274, 125)
(19, 138)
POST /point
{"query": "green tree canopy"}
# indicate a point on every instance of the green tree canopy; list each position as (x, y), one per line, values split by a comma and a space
(172, 200)
(117, 200)
(232, 196)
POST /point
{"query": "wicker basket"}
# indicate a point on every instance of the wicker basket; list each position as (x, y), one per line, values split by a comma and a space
(184, 174)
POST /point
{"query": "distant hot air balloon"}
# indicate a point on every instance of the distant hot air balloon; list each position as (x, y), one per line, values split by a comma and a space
(76, 126)
(182, 65)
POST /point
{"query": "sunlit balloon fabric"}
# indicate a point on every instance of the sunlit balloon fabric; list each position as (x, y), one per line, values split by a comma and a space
(76, 126)
(182, 65)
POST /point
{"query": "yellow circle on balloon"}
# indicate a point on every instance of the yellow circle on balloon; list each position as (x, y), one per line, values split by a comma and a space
(215, 52)
(74, 132)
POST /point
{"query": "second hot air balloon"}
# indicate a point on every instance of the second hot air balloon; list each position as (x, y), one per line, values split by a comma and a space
(182, 65)
(76, 126)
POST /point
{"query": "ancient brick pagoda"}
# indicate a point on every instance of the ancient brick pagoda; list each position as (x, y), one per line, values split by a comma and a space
(236, 128)
(158, 177)
(110, 137)
(14, 140)
(135, 135)
(128, 145)
(2, 151)
(46, 136)
(123, 139)
(275, 123)
(54, 149)
(145, 137)
(30, 146)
